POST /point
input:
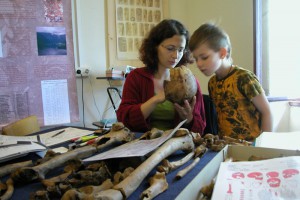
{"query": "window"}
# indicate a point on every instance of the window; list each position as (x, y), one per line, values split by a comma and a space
(277, 47)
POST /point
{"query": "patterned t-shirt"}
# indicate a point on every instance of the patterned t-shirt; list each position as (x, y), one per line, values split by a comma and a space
(232, 96)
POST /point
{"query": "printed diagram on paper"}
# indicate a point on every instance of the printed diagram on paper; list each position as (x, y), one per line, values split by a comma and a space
(274, 179)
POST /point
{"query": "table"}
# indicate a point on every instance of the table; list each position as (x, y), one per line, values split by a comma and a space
(175, 186)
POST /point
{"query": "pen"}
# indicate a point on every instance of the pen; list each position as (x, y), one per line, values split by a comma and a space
(86, 138)
(88, 142)
(56, 134)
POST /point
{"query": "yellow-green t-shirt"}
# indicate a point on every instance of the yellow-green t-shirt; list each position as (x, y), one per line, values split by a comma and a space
(163, 116)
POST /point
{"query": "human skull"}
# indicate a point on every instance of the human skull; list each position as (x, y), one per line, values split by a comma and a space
(181, 86)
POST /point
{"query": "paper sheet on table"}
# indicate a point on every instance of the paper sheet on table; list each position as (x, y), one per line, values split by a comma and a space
(136, 147)
(279, 140)
(276, 178)
(8, 139)
(15, 151)
(68, 134)
(46, 138)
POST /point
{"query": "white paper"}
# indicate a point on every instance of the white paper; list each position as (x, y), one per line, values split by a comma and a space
(136, 147)
(55, 102)
(8, 139)
(279, 140)
(68, 134)
(11, 152)
(274, 179)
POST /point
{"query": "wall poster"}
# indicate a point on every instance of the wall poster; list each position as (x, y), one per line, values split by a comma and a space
(37, 74)
(132, 21)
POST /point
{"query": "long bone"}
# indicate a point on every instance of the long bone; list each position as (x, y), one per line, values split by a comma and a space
(125, 188)
(28, 174)
(168, 166)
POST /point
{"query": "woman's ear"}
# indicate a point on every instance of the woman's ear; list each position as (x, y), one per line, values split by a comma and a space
(223, 52)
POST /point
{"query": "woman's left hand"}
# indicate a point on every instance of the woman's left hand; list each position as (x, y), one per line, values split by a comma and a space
(186, 111)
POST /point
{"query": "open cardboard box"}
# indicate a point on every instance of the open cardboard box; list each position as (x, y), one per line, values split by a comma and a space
(192, 190)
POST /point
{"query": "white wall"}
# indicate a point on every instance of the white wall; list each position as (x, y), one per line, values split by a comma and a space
(235, 16)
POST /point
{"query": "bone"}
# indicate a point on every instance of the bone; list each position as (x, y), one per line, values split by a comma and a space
(236, 141)
(29, 174)
(7, 169)
(118, 177)
(86, 192)
(10, 190)
(158, 184)
(167, 166)
(118, 134)
(183, 172)
(125, 188)
(153, 133)
(51, 182)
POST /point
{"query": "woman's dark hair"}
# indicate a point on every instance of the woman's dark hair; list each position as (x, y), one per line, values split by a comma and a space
(163, 30)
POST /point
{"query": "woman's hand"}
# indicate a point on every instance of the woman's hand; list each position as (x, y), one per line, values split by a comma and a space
(186, 111)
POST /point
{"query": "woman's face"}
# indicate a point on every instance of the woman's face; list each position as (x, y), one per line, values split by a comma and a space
(170, 51)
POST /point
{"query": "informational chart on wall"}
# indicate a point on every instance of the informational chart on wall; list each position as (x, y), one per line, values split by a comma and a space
(134, 19)
(37, 74)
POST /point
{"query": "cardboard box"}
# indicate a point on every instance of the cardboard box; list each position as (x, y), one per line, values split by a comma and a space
(192, 190)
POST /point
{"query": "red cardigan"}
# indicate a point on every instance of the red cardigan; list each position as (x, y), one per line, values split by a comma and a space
(138, 88)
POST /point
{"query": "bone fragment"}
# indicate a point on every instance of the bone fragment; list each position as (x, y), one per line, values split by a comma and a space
(183, 172)
(7, 169)
(10, 190)
(167, 166)
(158, 184)
(87, 192)
(153, 133)
(125, 188)
(118, 134)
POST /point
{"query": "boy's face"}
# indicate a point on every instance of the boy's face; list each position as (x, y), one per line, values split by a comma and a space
(208, 61)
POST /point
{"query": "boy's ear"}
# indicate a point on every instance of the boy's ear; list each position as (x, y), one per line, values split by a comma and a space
(223, 52)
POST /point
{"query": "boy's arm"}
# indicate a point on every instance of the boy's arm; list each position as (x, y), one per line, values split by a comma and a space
(261, 103)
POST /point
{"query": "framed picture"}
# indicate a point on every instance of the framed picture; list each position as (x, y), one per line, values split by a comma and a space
(128, 22)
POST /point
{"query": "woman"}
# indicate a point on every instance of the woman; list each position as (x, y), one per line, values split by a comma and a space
(143, 103)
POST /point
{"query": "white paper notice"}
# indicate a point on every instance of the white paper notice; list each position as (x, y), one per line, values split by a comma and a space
(274, 179)
(55, 102)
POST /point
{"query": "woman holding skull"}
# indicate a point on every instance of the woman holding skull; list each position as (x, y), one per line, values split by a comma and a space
(144, 105)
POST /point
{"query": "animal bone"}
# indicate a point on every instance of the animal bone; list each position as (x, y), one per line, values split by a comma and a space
(9, 191)
(158, 184)
(183, 172)
(169, 166)
(28, 174)
(118, 177)
(237, 141)
(118, 134)
(7, 169)
(153, 133)
(129, 185)
(87, 192)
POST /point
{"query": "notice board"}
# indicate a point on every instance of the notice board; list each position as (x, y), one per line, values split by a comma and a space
(37, 73)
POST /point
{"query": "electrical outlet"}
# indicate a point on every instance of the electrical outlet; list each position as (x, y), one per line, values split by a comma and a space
(82, 72)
